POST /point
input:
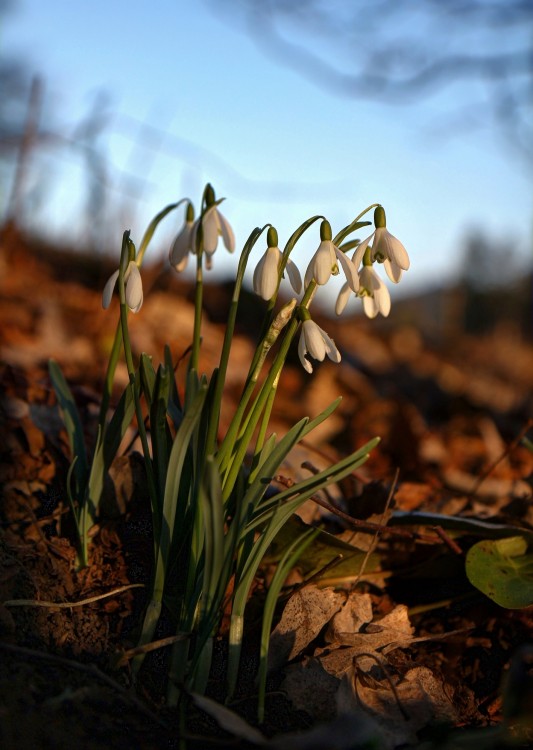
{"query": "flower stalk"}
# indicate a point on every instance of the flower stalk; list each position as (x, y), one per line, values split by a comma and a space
(212, 517)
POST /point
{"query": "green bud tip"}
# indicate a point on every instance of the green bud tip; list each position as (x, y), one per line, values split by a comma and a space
(209, 195)
(367, 257)
(131, 250)
(189, 216)
(325, 230)
(272, 237)
(380, 220)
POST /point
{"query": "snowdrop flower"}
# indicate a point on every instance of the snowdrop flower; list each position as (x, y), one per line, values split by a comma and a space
(214, 225)
(375, 295)
(316, 343)
(182, 245)
(266, 274)
(133, 287)
(324, 262)
(386, 248)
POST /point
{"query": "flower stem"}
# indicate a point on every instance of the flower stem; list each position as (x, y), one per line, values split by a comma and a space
(138, 409)
(198, 300)
(257, 408)
(228, 338)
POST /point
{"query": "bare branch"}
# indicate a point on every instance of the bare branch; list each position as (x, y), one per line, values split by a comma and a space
(397, 51)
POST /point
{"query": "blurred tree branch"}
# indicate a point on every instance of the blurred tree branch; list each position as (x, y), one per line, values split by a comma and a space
(400, 51)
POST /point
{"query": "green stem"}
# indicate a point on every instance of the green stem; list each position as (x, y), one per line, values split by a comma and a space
(268, 341)
(228, 338)
(268, 337)
(138, 409)
(352, 226)
(198, 300)
(110, 377)
(260, 400)
(257, 408)
(265, 420)
(115, 350)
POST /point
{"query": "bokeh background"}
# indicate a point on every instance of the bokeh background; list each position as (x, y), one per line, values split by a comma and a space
(112, 109)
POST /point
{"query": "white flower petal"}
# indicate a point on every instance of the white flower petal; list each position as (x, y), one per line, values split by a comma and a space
(134, 287)
(182, 265)
(369, 306)
(109, 287)
(294, 276)
(342, 299)
(382, 299)
(210, 229)
(331, 350)
(314, 342)
(194, 236)
(302, 351)
(357, 257)
(388, 248)
(320, 267)
(350, 271)
(397, 252)
(228, 238)
(181, 247)
(256, 282)
(377, 297)
(266, 274)
(368, 280)
(393, 271)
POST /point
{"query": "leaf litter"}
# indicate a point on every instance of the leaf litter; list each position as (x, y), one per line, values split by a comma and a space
(383, 658)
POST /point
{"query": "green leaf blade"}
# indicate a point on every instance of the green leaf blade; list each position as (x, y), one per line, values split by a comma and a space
(502, 569)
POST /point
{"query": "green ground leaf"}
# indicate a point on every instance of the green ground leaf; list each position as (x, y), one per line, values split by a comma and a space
(325, 548)
(503, 570)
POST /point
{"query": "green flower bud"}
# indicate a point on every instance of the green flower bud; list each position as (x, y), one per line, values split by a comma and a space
(367, 257)
(209, 195)
(325, 230)
(189, 216)
(272, 237)
(131, 250)
(379, 218)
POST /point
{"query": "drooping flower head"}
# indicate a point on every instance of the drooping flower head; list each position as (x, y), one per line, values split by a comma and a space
(182, 245)
(386, 248)
(314, 342)
(323, 264)
(213, 225)
(374, 293)
(133, 287)
(372, 290)
(266, 274)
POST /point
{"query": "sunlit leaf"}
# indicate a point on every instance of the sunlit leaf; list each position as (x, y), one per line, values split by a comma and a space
(503, 570)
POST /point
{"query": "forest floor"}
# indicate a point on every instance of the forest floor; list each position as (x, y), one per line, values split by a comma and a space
(407, 653)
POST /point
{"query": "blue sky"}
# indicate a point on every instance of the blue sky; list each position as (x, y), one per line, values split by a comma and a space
(279, 148)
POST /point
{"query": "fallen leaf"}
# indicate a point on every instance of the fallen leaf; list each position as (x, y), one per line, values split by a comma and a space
(303, 618)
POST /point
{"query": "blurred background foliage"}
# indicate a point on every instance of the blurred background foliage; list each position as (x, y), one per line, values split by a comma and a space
(369, 49)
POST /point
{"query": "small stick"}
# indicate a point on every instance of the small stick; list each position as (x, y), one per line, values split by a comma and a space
(152, 646)
(364, 526)
(372, 545)
(69, 605)
(448, 541)
(509, 449)
(381, 664)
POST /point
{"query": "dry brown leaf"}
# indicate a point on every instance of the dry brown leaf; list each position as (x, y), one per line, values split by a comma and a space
(303, 618)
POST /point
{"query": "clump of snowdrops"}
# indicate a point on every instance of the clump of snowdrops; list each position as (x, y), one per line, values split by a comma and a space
(213, 514)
